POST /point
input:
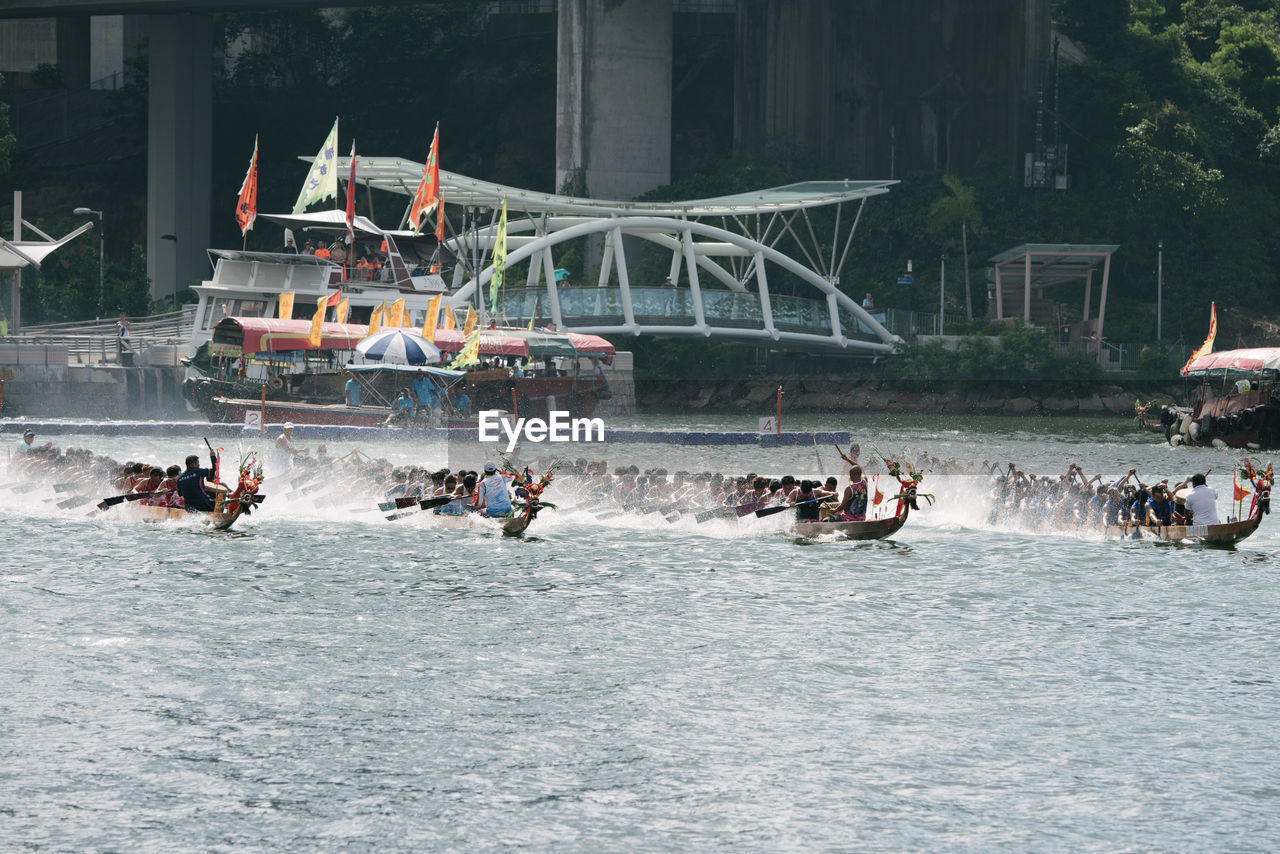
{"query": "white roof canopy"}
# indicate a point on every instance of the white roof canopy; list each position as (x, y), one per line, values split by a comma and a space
(399, 175)
(15, 254)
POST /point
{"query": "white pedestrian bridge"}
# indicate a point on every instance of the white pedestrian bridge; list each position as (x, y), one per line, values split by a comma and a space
(760, 266)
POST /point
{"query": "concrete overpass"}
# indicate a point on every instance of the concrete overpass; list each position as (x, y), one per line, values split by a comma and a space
(613, 114)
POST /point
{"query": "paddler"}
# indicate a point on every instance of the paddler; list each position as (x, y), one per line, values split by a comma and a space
(191, 484)
(492, 498)
(853, 504)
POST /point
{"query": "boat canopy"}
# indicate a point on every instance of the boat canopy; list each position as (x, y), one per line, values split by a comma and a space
(590, 345)
(491, 343)
(431, 370)
(1257, 360)
(235, 335)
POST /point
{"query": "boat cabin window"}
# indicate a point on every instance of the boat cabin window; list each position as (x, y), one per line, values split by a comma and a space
(219, 308)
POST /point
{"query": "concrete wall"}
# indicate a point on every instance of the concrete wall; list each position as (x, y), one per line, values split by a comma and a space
(623, 385)
(179, 153)
(613, 99)
(104, 392)
(891, 85)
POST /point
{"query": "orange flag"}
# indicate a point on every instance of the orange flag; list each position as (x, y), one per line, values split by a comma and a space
(340, 313)
(433, 316)
(1207, 347)
(375, 319)
(247, 204)
(284, 305)
(449, 321)
(395, 314)
(313, 340)
(471, 321)
(427, 197)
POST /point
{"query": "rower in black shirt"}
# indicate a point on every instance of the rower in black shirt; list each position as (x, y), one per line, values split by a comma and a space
(191, 485)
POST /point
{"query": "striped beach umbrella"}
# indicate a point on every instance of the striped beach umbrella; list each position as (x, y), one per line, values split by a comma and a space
(398, 347)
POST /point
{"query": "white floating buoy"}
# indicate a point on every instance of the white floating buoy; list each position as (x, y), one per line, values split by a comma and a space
(1218, 443)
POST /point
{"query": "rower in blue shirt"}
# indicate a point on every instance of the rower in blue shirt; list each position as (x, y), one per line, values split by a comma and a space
(191, 484)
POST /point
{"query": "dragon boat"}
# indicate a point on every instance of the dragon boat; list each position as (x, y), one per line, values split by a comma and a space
(229, 505)
(1224, 534)
(871, 529)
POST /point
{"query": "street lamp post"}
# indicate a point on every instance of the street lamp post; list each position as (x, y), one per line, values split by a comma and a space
(102, 248)
(942, 294)
(1159, 288)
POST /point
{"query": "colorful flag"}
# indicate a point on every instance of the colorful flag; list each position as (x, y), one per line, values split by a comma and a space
(1207, 347)
(395, 314)
(427, 197)
(433, 315)
(375, 319)
(333, 299)
(322, 180)
(351, 197)
(878, 496)
(313, 340)
(340, 313)
(1238, 490)
(449, 321)
(247, 205)
(469, 354)
(284, 305)
(499, 257)
(469, 326)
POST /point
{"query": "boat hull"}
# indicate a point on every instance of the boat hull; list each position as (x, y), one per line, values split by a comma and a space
(872, 529)
(151, 513)
(332, 414)
(1225, 534)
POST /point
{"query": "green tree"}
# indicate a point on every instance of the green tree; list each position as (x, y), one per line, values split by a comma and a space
(959, 208)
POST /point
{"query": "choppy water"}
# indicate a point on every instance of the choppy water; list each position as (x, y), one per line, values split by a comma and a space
(328, 681)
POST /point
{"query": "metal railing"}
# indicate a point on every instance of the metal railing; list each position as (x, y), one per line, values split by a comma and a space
(95, 342)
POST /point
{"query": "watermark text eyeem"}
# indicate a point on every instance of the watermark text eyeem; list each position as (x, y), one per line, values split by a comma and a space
(558, 427)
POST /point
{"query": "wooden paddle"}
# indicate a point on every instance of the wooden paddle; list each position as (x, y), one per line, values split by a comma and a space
(128, 496)
(769, 511)
(715, 513)
(421, 504)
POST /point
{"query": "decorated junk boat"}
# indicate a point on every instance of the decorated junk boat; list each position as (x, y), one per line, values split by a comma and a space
(252, 364)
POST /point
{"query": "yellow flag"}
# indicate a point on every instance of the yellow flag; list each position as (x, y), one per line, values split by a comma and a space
(284, 305)
(470, 353)
(313, 341)
(340, 313)
(472, 320)
(449, 322)
(375, 319)
(395, 314)
(433, 315)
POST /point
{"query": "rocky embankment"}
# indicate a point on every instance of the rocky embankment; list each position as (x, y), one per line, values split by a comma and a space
(839, 394)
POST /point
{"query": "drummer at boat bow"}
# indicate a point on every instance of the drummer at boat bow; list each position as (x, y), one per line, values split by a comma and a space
(191, 484)
(1202, 507)
(492, 496)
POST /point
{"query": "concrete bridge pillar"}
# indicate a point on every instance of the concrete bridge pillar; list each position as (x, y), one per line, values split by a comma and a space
(179, 152)
(613, 97)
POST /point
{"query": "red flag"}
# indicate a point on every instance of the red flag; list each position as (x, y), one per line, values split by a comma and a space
(247, 204)
(351, 196)
(1239, 492)
(333, 299)
(1207, 347)
(427, 197)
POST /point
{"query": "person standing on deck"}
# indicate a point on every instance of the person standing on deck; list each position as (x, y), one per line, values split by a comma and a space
(352, 390)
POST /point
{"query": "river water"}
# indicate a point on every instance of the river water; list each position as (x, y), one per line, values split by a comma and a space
(324, 680)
